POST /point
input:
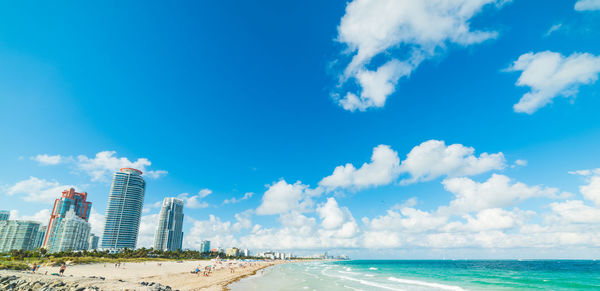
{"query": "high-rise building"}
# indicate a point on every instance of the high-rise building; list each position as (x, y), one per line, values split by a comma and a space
(233, 252)
(70, 234)
(39, 238)
(4, 215)
(169, 235)
(70, 201)
(205, 246)
(18, 235)
(124, 210)
(93, 242)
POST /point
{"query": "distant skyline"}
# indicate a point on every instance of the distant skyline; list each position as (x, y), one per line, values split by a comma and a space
(375, 129)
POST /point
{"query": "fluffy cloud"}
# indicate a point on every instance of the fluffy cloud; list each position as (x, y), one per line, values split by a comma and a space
(246, 196)
(282, 197)
(147, 230)
(48, 160)
(337, 221)
(97, 222)
(219, 233)
(575, 211)
(370, 28)
(591, 191)
(497, 192)
(383, 169)
(105, 163)
(550, 75)
(37, 190)
(42, 216)
(195, 201)
(376, 86)
(488, 219)
(583, 5)
(433, 159)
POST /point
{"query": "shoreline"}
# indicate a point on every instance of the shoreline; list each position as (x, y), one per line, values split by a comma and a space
(151, 275)
(233, 280)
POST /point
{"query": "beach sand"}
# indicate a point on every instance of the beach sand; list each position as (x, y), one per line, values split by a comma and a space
(169, 273)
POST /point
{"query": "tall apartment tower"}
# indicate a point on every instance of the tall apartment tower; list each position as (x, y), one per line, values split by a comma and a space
(71, 234)
(4, 214)
(69, 202)
(205, 246)
(169, 235)
(124, 210)
(18, 235)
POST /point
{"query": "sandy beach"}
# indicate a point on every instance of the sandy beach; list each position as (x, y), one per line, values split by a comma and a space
(177, 275)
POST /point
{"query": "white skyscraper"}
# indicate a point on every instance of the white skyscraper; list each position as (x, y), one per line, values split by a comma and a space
(71, 234)
(169, 235)
(124, 210)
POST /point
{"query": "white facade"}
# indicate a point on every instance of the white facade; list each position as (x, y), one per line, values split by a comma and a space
(124, 210)
(71, 234)
(18, 235)
(169, 234)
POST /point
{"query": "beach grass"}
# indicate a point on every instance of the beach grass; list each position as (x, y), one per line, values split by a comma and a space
(11, 265)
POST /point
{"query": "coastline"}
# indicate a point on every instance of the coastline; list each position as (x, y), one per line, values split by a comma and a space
(161, 275)
(248, 275)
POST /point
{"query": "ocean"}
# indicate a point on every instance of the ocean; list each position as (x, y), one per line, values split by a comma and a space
(427, 275)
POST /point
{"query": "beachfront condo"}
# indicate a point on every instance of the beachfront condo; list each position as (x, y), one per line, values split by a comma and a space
(18, 235)
(124, 210)
(169, 234)
(93, 242)
(39, 239)
(70, 234)
(4, 214)
(69, 201)
(205, 246)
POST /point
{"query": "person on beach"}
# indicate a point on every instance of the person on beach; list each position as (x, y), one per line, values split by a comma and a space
(62, 269)
(34, 267)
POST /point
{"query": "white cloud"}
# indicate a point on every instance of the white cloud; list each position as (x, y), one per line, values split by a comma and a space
(497, 192)
(553, 28)
(42, 216)
(521, 163)
(246, 196)
(587, 172)
(282, 197)
(204, 192)
(591, 191)
(219, 233)
(48, 160)
(155, 174)
(376, 86)
(370, 28)
(488, 219)
(337, 221)
(383, 169)
(194, 201)
(37, 190)
(587, 5)
(550, 75)
(574, 211)
(97, 222)
(148, 227)
(433, 159)
(105, 163)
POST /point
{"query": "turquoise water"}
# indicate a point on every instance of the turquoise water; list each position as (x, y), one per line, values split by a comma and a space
(428, 275)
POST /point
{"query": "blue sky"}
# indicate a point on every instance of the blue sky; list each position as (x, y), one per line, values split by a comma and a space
(231, 98)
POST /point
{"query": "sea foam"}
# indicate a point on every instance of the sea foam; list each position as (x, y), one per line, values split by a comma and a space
(426, 284)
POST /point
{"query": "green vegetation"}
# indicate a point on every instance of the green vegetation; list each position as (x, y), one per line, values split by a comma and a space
(20, 260)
